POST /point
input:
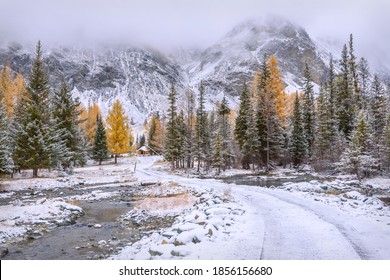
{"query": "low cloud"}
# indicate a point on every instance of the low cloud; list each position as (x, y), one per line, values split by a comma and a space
(172, 23)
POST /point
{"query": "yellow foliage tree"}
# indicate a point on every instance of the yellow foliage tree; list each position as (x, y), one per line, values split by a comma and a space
(118, 130)
(19, 88)
(89, 118)
(290, 104)
(276, 87)
(83, 116)
(155, 135)
(131, 141)
(11, 87)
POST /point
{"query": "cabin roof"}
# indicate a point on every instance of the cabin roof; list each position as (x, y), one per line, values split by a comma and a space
(144, 149)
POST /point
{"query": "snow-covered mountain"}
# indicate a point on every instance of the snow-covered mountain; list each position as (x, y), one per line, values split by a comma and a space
(141, 77)
(237, 56)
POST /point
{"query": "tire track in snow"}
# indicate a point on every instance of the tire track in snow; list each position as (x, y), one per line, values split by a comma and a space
(363, 254)
(292, 232)
(294, 228)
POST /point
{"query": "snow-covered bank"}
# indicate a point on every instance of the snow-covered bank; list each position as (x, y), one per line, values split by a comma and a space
(20, 218)
(91, 175)
(209, 228)
(31, 206)
(162, 215)
(360, 200)
(279, 224)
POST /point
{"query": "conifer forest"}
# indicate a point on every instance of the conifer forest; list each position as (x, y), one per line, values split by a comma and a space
(267, 144)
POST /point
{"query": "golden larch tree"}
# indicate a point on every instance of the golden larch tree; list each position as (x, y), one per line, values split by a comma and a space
(12, 88)
(89, 124)
(276, 87)
(18, 89)
(155, 135)
(83, 116)
(118, 130)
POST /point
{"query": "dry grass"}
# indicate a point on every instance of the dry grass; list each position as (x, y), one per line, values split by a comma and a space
(74, 202)
(178, 201)
(160, 162)
(167, 196)
(334, 192)
(173, 184)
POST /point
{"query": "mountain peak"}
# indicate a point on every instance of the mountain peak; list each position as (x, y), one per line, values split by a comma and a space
(237, 56)
(266, 25)
(140, 77)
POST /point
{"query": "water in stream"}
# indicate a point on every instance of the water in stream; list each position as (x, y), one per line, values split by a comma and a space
(80, 240)
(100, 232)
(262, 180)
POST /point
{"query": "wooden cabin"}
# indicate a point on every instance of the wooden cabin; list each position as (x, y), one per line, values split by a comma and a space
(144, 151)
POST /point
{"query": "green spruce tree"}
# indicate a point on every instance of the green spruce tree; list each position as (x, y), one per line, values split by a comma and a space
(190, 134)
(308, 113)
(6, 161)
(378, 114)
(217, 155)
(327, 145)
(357, 159)
(354, 76)
(385, 156)
(66, 114)
(270, 140)
(201, 138)
(171, 148)
(364, 77)
(250, 148)
(225, 132)
(345, 106)
(298, 145)
(242, 117)
(182, 139)
(37, 139)
(100, 150)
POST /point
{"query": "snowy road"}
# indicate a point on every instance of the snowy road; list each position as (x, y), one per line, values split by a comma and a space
(280, 225)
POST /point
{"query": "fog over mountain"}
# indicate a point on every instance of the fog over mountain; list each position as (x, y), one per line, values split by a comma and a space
(186, 22)
(133, 51)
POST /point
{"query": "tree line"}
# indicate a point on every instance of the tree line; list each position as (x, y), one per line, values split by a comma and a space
(42, 128)
(346, 127)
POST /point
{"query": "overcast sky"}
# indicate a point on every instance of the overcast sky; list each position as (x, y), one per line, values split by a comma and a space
(188, 22)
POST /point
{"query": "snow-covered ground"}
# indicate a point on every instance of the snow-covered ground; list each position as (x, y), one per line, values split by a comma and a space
(295, 222)
(18, 218)
(209, 218)
(31, 206)
(210, 227)
(107, 173)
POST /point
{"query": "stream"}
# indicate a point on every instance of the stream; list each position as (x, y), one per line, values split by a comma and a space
(97, 234)
(80, 240)
(271, 180)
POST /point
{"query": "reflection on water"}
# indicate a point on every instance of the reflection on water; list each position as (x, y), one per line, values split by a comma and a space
(80, 240)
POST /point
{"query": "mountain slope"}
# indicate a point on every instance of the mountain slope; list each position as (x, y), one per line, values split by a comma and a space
(141, 77)
(237, 56)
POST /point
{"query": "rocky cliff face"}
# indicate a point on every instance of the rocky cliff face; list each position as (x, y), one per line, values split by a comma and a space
(237, 56)
(141, 78)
